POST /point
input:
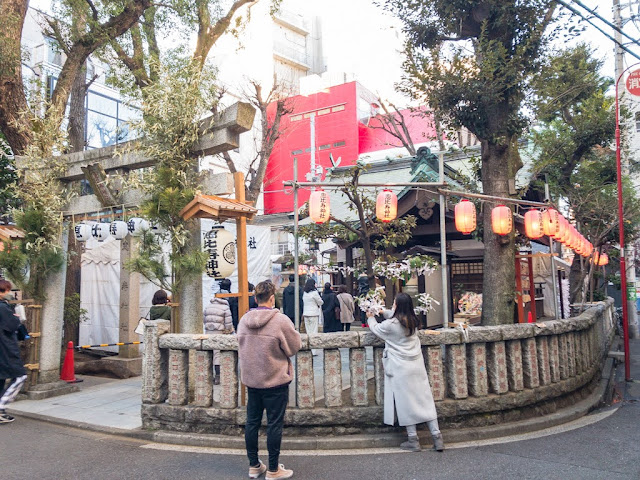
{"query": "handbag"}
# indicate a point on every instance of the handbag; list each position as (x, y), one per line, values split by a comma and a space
(141, 323)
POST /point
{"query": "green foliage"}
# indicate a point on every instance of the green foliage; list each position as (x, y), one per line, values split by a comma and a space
(73, 313)
(8, 179)
(169, 128)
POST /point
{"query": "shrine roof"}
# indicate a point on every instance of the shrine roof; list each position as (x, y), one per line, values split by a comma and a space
(217, 208)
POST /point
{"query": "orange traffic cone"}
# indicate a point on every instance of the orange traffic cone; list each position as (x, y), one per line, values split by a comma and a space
(68, 374)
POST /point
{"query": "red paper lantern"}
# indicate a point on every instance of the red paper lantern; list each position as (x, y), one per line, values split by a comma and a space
(550, 222)
(563, 226)
(589, 249)
(465, 217)
(319, 206)
(386, 206)
(533, 224)
(603, 260)
(501, 220)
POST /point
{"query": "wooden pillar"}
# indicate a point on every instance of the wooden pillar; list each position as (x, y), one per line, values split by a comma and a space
(241, 245)
(349, 263)
(532, 289)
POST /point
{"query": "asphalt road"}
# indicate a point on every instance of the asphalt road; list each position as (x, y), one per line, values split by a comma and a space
(608, 449)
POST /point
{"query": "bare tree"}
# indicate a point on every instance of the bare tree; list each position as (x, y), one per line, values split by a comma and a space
(271, 118)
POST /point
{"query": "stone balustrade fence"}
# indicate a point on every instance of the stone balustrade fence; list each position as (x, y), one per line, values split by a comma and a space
(489, 375)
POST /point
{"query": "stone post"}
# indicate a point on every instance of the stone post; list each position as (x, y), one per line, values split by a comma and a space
(304, 376)
(457, 371)
(497, 367)
(358, 369)
(51, 321)
(563, 355)
(190, 295)
(542, 344)
(435, 369)
(378, 374)
(578, 352)
(332, 378)
(178, 377)
(477, 369)
(155, 363)
(571, 354)
(514, 365)
(229, 379)
(204, 378)
(554, 359)
(129, 300)
(530, 371)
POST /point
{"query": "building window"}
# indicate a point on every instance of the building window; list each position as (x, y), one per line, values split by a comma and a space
(324, 111)
(309, 115)
(324, 147)
(296, 118)
(297, 152)
(341, 143)
(339, 108)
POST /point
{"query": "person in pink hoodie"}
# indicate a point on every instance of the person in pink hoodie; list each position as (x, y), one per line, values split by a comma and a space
(266, 341)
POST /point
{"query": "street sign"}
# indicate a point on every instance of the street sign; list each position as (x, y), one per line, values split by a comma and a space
(633, 83)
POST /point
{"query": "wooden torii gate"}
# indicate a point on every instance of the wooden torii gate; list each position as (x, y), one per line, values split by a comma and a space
(218, 134)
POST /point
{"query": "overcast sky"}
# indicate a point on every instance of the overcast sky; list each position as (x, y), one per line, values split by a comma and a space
(360, 38)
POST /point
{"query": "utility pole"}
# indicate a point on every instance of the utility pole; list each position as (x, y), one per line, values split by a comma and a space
(630, 251)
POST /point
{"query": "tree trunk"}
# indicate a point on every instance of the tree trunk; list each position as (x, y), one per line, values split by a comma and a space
(13, 100)
(77, 112)
(576, 280)
(499, 164)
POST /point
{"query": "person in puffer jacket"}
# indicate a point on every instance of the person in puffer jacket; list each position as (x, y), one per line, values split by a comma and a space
(217, 320)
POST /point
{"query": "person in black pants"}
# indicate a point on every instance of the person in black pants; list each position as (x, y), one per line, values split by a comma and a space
(288, 303)
(266, 341)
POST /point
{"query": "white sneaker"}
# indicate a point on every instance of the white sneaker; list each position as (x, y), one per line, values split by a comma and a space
(281, 473)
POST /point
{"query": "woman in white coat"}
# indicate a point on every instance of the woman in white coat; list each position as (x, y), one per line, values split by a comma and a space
(311, 308)
(406, 385)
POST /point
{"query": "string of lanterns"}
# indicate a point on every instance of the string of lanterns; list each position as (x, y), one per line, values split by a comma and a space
(118, 229)
(536, 224)
(320, 206)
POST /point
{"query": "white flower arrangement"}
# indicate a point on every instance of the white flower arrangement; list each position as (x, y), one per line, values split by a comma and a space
(418, 264)
(372, 302)
(425, 303)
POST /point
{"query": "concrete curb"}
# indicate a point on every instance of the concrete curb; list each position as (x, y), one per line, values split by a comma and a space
(579, 409)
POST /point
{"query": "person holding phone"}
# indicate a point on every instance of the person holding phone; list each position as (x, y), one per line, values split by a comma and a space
(407, 393)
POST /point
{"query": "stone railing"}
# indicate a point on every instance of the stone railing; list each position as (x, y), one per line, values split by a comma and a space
(492, 375)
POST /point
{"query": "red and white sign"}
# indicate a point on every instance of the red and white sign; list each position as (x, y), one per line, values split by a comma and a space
(633, 83)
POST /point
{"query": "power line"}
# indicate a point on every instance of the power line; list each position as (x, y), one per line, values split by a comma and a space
(598, 16)
(588, 20)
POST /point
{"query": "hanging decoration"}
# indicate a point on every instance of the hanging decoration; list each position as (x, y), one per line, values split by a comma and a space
(563, 228)
(319, 206)
(100, 231)
(501, 220)
(221, 247)
(533, 224)
(465, 217)
(386, 206)
(603, 260)
(550, 221)
(119, 229)
(82, 231)
(137, 226)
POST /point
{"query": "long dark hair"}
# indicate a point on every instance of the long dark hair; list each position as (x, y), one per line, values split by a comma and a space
(327, 288)
(309, 285)
(160, 298)
(405, 313)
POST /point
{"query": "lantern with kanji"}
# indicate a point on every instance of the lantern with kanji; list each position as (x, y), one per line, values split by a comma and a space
(319, 206)
(501, 220)
(386, 206)
(550, 222)
(82, 231)
(221, 247)
(119, 229)
(465, 217)
(137, 226)
(533, 224)
(100, 231)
